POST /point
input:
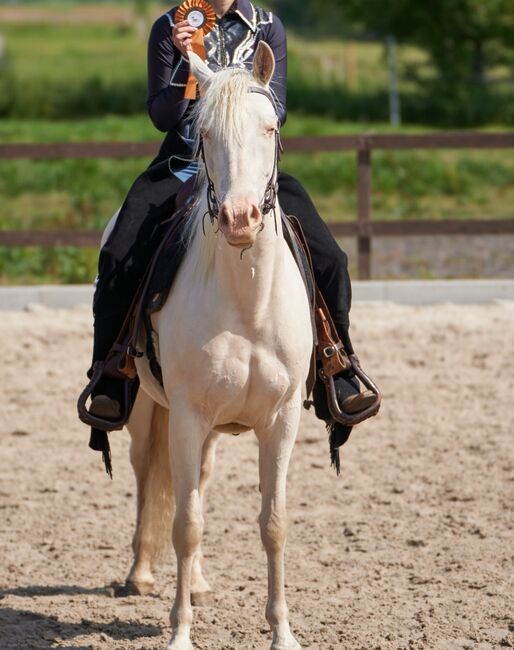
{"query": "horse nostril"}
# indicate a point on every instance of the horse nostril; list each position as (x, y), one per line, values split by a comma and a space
(224, 216)
(255, 214)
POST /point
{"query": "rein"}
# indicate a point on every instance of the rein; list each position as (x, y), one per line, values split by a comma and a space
(270, 193)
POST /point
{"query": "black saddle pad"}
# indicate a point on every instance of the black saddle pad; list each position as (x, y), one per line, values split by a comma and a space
(166, 262)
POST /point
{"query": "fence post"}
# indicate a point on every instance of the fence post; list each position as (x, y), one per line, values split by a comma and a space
(364, 209)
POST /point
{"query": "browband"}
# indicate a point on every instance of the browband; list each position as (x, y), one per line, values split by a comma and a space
(262, 91)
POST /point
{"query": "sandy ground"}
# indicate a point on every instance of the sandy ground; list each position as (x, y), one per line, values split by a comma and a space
(411, 547)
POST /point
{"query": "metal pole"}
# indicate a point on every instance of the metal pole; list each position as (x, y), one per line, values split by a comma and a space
(394, 96)
(364, 210)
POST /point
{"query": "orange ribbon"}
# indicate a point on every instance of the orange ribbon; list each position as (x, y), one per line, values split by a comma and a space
(199, 14)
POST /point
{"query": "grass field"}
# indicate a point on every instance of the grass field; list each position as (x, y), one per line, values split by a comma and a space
(96, 73)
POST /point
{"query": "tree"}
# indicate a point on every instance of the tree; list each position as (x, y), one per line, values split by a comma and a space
(463, 37)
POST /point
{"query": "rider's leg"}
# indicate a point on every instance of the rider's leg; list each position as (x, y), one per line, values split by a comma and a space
(330, 263)
(330, 266)
(123, 261)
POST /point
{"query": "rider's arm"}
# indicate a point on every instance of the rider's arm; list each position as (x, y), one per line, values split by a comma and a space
(167, 76)
(276, 39)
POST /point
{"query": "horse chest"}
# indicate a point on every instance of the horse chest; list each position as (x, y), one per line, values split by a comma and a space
(238, 367)
(246, 347)
(236, 380)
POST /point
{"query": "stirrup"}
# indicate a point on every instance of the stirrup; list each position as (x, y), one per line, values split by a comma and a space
(333, 404)
(94, 421)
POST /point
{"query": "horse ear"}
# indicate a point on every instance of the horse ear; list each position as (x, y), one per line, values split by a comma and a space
(263, 63)
(199, 69)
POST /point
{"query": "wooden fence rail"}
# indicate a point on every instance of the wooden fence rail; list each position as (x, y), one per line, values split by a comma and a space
(363, 228)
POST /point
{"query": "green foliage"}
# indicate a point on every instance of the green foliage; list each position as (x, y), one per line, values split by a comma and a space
(47, 265)
(438, 103)
(464, 38)
(470, 45)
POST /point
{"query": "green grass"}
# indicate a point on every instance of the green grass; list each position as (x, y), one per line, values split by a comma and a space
(55, 71)
(53, 52)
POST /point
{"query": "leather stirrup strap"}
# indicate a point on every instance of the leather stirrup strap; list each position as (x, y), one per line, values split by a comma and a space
(330, 352)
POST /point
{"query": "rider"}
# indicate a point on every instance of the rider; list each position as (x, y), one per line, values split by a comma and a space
(124, 257)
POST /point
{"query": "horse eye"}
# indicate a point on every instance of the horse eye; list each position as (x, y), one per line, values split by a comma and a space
(270, 130)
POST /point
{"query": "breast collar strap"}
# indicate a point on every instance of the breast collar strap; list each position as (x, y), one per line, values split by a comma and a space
(270, 194)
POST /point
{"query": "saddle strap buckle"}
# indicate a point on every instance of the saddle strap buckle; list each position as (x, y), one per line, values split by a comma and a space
(134, 352)
(331, 350)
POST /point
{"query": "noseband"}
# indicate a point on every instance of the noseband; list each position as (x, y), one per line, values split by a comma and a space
(270, 193)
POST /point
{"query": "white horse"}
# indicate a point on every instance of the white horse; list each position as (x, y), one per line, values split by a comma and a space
(234, 344)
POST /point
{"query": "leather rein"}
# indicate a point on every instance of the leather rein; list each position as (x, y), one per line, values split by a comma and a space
(270, 193)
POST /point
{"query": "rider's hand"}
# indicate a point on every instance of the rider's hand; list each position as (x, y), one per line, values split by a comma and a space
(181, 36)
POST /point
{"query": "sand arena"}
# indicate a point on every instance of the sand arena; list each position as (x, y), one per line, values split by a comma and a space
(410, 548)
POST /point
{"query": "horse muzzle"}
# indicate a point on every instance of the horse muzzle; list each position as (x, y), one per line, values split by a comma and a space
(240, 221)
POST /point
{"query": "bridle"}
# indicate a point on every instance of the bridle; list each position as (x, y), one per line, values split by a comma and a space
(269, 200)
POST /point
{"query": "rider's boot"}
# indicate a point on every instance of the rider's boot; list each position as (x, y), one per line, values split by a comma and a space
(107, 395)
(104, 406)
(349, 395)
(350, 398)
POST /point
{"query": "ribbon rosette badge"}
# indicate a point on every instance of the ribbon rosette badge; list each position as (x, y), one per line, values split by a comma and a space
(200, 15)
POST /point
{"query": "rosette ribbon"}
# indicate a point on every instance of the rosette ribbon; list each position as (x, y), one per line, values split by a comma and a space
(200, 15)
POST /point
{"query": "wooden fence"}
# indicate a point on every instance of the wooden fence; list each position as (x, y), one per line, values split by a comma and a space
(364, 228)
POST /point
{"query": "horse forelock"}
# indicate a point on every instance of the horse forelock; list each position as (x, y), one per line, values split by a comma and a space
(224, 108)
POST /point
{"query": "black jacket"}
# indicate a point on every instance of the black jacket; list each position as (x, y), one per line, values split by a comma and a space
(233, 41)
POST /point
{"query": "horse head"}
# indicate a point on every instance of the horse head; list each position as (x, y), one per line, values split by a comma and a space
(237, 127)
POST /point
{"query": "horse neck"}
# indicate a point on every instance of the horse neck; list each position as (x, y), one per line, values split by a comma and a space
(249, 280)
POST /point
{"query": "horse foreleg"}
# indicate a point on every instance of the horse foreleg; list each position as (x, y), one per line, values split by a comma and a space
(201, 593)
(275, 446)
(186, 445)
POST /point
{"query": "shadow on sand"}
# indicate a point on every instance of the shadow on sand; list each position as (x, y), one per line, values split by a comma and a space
(29, 591)
(21, 628)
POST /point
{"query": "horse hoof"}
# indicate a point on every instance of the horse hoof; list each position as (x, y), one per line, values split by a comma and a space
(285, 642)
(202, 599)
(133, 589)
